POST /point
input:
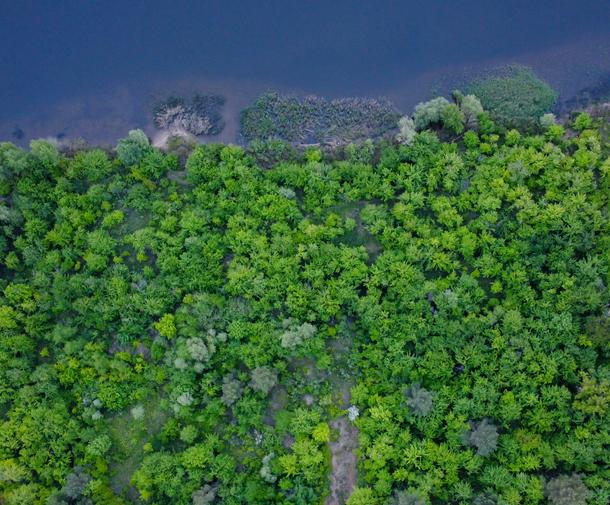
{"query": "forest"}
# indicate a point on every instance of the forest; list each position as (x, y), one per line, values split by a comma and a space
(423, 319)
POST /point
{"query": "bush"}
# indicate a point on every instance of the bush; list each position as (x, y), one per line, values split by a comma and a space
(516, 99)
(268, 153)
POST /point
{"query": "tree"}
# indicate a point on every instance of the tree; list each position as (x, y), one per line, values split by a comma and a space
(204, 496)
(547, 120)
(132, 149)
(295, 334)
(45, 153)
(453, 118)
(485, 499)
(471, 107)
(166, 326)
(483, 436)
(231, 390)
(408, 498)
(429, 113)
(567, 490)
(362, 496)
(582, 122)
(407, 131)
(419, 400)
(263, 379)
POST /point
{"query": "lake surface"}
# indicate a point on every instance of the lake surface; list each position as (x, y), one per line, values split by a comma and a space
(93, 68)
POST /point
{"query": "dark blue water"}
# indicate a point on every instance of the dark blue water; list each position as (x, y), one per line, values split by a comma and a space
(53, 50)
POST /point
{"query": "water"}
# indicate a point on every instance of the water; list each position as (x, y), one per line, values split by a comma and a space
(91, 68)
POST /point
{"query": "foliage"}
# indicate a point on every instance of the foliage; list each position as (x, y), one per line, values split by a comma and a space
(263, 379)
(472, 108)
(419, 400)
(483, 436)
(547, 120)
(406, 130)
(196, 339)
(407, 498)
(295, 334)
(567, 490)
(453, 118)
(429, 113)
(231, 390)
(131, 149)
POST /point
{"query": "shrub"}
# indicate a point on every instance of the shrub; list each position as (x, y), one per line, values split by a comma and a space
(321, 433)
(268, 153)
(199, 116)
(362, 496)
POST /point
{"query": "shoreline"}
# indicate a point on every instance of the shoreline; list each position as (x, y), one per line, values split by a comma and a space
(103, 118)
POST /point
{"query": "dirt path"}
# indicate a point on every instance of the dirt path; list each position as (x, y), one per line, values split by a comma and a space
(344, 472)
(343, 445)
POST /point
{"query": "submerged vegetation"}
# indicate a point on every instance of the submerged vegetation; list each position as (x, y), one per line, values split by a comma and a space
(428, 315)
(515, 98)
(199, 116)
(316, 120)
